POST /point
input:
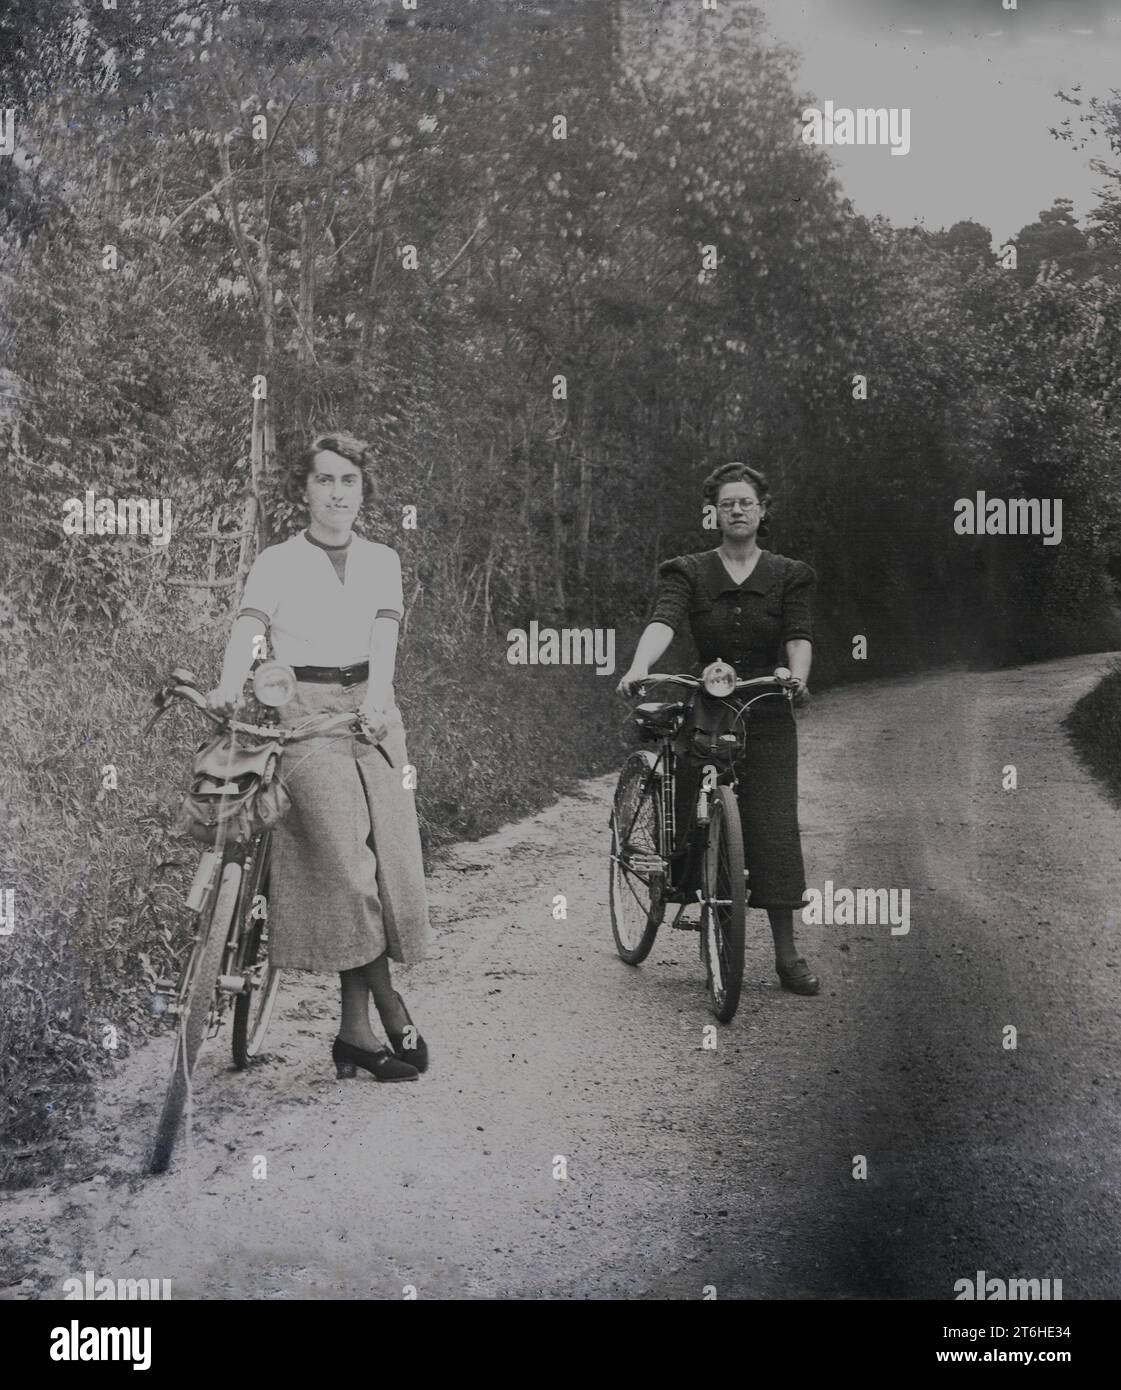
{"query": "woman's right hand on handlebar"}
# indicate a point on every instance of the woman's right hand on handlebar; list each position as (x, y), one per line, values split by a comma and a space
(630, 682)
(223, 701)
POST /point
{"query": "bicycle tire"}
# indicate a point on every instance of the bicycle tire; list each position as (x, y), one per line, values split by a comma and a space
(253, 1010)
(635, 914)
(723, 923)
(193, 1013)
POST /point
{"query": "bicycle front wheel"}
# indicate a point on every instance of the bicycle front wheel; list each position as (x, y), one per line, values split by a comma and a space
(637, 868)
(194, 1010)
(724, 907)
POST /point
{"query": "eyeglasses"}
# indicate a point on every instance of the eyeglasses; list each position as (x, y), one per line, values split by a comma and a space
(743, 502)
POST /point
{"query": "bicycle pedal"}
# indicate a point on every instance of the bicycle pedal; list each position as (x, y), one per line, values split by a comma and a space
(231, 984)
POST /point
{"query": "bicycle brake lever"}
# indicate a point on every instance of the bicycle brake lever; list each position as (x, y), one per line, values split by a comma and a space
(365, 735)
(373, 743)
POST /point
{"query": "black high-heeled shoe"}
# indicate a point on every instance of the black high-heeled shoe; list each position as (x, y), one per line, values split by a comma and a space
(797, 978)
(381, 1064)
(416, 1056)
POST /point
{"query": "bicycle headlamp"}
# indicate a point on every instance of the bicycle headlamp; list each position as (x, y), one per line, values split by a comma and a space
(718, 678)
(782, 673)
(274, 683)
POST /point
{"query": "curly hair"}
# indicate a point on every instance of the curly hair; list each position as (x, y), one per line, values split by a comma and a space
(740, 473)
(357, 451)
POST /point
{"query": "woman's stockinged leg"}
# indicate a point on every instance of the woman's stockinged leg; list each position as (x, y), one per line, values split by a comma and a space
(782, 929)
(390, 1009)
(404, 1037)
(355, 1025)
(793, 971)
(357, 985)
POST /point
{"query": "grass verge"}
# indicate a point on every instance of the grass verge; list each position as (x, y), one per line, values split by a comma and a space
(1094, 726)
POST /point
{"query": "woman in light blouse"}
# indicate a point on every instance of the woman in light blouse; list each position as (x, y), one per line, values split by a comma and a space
(346, 884)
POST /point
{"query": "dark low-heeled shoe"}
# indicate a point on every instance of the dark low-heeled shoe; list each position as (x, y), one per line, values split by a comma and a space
(381, 1064)
(416, 1056)
(797, 978)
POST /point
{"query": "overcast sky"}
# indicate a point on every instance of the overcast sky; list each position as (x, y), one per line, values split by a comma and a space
(980, 83)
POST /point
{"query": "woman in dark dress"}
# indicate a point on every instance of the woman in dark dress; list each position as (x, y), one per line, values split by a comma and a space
(749, 607)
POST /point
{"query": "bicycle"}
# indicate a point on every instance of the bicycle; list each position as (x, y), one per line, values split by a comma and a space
(650, 866)
(228, 902)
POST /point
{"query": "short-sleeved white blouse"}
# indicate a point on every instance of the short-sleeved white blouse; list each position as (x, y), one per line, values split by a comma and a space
(315, 620)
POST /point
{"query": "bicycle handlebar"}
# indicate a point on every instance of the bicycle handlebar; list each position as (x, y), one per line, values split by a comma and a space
(784, 683)
(280, 734)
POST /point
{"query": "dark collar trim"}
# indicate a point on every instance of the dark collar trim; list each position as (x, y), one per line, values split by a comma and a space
(322, 546)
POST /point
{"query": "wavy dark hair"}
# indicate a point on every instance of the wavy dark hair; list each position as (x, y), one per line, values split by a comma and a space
(740, 473)
(348, 446)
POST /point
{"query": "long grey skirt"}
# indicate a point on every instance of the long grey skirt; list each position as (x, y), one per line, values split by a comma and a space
(347, 876)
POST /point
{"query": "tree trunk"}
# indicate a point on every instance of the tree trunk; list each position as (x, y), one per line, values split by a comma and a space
(305, 312)
(584, 495)
(529, 552)
(265, 467)
(309, 236)
(559, 598)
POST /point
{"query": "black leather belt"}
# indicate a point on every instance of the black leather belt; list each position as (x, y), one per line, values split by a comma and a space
(334, 675)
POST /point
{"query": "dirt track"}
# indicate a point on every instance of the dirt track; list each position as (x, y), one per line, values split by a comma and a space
(687, 1167)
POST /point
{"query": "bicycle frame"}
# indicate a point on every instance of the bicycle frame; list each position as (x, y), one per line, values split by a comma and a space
(231, 985)
(208, 876)
(689, 851)
(651, 863)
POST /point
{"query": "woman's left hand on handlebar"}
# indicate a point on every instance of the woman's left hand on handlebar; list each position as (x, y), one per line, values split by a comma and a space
(377, 725)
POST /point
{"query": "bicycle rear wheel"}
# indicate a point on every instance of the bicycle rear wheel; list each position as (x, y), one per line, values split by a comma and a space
(637, 869)
(724, 905)
(253, 1007)
(194, 1010)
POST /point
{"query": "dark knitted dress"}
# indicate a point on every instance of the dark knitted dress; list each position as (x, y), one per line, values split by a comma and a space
(747, 625)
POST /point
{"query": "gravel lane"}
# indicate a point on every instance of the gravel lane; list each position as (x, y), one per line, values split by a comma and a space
(686, 1167)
